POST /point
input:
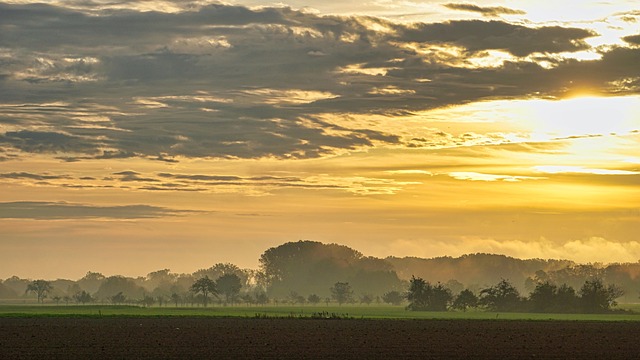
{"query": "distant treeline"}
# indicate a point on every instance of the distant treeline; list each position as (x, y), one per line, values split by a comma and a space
(593, 297)
(309, 272)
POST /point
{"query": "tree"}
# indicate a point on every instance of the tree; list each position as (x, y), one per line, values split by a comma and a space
(295, 298)
(501, 297)
(205, 286)
(91, 281)
(113, 285)
(57, 299)
(313, 299)
(229, 285)
(310, 267)
(148, 301)
(341, 292)
(566, 299)
(393, 297)
(262, 298)
(595, 297)
(455, 286)
(41, 288)
(83, 297)
(543, 298)
(118, 298)
(547, 297)
(247, 299)
(366, 299)
(423, 296)
(7, 292)
(175, 298)
(465, 299)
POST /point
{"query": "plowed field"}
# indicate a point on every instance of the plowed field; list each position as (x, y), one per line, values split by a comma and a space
(219, 338)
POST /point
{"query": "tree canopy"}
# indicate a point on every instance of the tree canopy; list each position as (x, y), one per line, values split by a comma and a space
(313, 267)
(41, 288)
(206, 287)
(426, 297)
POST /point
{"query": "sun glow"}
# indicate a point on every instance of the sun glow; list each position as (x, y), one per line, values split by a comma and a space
(585, 116)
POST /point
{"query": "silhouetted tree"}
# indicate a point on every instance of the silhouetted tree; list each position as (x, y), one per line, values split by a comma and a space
(341, 292)
(83, 297)
(7, 292)
(41, 288)
(91, 281)
(313, 299)
(205, 286)
(393, 297)
(295, 298)
(543, 298)
(56, 299)
(247, 299)
(262, 298)
(566, 299)
(366, 299)
(464, 300)
(113, 285)
(159, 281)
(118, 298)
(229, 285)
(501, 297)
(596, 297)
(423, 296)
(175, 297)
(312, 267)
(148, 300)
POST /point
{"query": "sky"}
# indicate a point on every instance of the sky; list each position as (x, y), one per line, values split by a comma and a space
(143, 135)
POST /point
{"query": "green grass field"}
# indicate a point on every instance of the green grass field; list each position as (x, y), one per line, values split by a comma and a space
(347, 311)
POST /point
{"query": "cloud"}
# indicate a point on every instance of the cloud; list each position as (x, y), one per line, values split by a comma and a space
(587, 250)
(42, 210)
(476, 35)
(557, 169)
(231, 82)
(211, 183)
(30, 176)
(47, 142)
(475, 176)
(485, 11)
(632, 39)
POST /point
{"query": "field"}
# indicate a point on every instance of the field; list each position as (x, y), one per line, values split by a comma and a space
(346, 311)
(382, 332)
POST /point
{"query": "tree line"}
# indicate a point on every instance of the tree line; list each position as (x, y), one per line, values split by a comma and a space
(312, 272)
(594, 296)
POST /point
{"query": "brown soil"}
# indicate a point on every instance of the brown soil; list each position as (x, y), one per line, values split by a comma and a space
(208, 338)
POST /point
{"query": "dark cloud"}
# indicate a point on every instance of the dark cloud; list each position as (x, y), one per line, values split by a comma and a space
(47, 142)
(223, 81)
(62, 210)
(30, 176)
(632, 39)
(486, 11)
(475, 35)
(201, 177)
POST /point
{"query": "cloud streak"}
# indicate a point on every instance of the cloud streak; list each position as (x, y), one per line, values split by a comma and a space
(485, 11)
(42, 210)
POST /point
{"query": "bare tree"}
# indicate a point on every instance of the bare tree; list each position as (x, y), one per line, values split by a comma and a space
(41, 288)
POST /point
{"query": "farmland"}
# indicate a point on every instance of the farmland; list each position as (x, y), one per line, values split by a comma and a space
(349, 332)
(209, 337)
